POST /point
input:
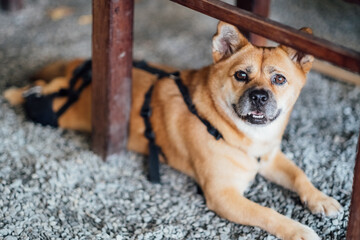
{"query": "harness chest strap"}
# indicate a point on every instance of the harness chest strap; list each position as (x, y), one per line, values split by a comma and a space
(154, 150)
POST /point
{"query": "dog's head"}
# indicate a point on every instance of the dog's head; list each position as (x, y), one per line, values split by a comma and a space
(256, 84)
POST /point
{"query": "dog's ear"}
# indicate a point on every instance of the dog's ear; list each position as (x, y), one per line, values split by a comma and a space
(302, 59)
(226, 41)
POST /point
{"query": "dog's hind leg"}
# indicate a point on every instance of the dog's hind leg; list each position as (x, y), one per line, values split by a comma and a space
(284, 172)
(229, 203)
(15, 95)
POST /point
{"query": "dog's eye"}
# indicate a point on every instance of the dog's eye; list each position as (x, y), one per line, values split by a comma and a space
(278, 79)
(241, 76)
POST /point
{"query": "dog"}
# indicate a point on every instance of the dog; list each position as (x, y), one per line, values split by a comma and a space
(247, 94)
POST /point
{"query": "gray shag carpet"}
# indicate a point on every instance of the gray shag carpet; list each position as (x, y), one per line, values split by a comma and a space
(53, 187)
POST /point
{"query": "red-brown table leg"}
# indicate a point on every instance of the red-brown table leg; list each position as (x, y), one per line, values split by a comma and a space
(112, 63)
(11, 5)
(353, 231)
(259, 7)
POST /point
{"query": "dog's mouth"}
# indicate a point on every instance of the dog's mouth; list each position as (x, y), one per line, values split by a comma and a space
(257, 117)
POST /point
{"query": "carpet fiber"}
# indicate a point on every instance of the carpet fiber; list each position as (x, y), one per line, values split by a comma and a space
(53, 187)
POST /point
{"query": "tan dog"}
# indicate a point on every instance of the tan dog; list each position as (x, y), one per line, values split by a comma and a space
(247, 94)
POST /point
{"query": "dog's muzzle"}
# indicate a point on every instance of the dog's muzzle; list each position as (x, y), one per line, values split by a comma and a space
(257, 106)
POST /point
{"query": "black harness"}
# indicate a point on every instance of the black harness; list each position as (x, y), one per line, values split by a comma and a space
(155, 150)
(38, 107)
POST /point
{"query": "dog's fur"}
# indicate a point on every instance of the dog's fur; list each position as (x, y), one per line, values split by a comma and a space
(250, 110)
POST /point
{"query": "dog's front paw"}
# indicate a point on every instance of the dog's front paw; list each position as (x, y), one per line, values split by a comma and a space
(305, 234)
(320, 203)
(300, 232)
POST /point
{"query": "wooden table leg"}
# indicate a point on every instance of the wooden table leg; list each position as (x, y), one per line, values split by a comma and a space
(353, 231)
(11, 5)
(112, 64)
(259, 7)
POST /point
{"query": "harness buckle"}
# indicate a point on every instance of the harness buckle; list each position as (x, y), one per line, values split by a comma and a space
(145, 112)
(174, 75)
(31, 91)
(150, 135)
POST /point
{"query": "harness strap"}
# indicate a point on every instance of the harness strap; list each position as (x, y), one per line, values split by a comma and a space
(154, 175)
(187, 99)
(84, 72)
(145, 112)
(155, 150)
(144, 66)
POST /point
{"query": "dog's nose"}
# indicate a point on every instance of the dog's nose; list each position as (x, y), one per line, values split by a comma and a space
(259, 96)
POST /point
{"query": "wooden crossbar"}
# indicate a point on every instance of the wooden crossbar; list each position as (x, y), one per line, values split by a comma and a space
(277, 32)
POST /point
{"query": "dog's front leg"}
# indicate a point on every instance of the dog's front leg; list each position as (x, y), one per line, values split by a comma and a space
(284, 172)
(228, 202)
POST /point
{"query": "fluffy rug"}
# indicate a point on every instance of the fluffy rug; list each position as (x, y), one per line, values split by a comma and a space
(53, 187)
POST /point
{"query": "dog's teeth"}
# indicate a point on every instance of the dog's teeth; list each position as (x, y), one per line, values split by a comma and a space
(257, 116)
